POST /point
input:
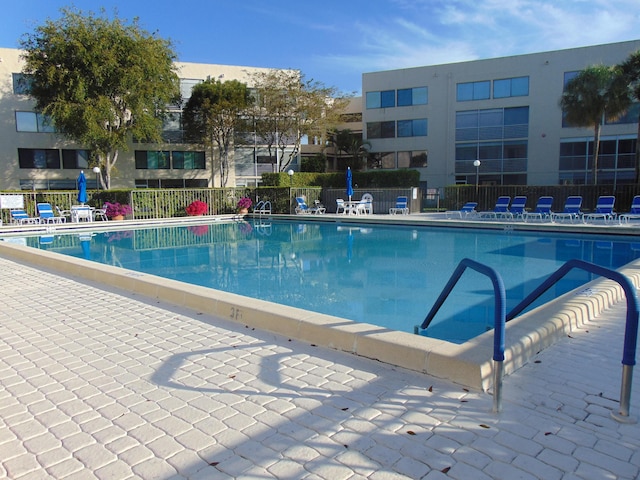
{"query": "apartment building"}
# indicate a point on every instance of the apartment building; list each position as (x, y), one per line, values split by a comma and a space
(34, 157)
(496, 120)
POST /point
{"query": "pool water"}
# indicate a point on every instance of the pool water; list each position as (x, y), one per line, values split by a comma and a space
(383, 275)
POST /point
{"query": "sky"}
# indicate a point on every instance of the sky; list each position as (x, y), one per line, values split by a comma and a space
(335, 42)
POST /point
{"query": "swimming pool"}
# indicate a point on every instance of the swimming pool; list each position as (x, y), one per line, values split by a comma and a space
(387, 275)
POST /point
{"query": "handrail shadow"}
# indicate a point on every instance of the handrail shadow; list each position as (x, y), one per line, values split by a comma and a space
(631, 324)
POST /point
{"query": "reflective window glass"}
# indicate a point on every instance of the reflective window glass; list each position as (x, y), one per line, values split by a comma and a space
(26, 122)
(405, 97)
(387, 99)
(373, 99)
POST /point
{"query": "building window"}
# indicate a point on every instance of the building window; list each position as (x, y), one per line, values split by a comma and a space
(21, 83)
(381, 129)
(511, 87)
(412, 96)
(154, 160)
(33, 122)
(186, 87)
(616, 161)
(498, 138)
(412, 128)
(74, 159)
(45, 158)
(417, 159)
(351, 117)
(473, 91)
(188, 160)
(172, 128)
(385, 99)
(378, 160)
(630, 116)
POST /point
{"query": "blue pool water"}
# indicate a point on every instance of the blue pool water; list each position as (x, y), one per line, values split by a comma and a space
(382, 275)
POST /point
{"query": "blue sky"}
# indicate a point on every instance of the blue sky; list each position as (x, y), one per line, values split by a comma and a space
(334, 42)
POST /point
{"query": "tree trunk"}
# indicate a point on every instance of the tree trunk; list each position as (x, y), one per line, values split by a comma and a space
(596, 152)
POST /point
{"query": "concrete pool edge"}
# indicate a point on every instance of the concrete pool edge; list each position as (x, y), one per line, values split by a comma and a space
(468, 364)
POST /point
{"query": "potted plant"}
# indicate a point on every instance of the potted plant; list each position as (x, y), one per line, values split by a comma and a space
(243, 205)
(197, 207)
(117, 211)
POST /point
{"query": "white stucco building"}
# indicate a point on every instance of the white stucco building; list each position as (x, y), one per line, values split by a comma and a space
(503, 112)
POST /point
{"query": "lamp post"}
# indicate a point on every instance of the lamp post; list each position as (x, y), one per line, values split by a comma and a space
(476, 163)
(290, 173)
(96, 170)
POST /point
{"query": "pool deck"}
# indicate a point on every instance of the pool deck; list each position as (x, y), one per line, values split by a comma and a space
(105, 381)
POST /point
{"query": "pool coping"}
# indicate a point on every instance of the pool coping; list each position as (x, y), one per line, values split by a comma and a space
(469, 364)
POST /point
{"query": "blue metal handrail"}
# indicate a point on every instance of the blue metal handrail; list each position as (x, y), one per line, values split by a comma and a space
(631, 324)
(499, 318)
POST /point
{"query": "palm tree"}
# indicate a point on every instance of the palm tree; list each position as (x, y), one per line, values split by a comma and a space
(630, 71)
(595, 94)
(351, 144)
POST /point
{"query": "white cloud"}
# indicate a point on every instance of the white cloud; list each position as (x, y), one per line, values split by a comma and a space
(430, 32)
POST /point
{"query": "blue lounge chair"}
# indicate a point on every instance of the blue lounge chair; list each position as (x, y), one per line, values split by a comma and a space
(542, 210)
(517, 208)
(501, 208)
(21, 217)
(571, 210)
(467, 210)
(604, 210)
(633, 213)
(46, 215)
(303, 208)
(401, 206)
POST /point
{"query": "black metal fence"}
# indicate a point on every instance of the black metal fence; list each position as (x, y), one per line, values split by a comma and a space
(486, 196)
(166, 203)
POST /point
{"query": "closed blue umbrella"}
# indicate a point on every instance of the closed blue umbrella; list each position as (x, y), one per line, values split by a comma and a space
(82, 188)
(349, 183)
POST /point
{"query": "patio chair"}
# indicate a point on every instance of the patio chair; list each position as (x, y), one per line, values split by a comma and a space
(604, 210)
(340, 206)
(46, 215)
(542, 210)
(20, 217)
(319, 207)
(80, 213)
(501, 208)
(633, 213)
(401, 207)
(365, 205)
(64, 213)
(571, 210)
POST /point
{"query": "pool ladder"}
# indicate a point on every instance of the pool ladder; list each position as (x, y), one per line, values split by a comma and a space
(263, 207)
(500, 319)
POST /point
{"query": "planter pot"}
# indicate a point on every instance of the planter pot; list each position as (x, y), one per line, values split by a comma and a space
(117, 217)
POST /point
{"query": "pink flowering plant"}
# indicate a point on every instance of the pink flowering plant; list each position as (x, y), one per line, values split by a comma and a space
(197, 207)
(114, 209)
(244, 202)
